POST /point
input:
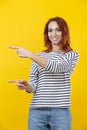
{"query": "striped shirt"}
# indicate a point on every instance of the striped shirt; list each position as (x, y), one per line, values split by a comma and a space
(51, 85)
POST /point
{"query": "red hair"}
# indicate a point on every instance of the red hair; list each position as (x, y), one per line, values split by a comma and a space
(65, 42)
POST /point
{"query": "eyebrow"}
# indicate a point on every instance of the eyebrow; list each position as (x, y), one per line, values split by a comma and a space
(52, 28)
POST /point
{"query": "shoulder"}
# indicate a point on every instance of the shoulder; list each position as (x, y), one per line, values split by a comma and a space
(72, 54)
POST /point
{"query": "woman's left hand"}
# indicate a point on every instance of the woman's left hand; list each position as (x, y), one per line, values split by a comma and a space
(22, 52)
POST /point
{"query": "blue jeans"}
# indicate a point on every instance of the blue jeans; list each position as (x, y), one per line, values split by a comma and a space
(49, 119)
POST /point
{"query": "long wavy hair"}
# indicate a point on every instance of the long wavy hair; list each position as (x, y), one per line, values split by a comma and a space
(65, 42)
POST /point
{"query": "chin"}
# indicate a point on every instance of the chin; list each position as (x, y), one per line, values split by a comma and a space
(55, 43)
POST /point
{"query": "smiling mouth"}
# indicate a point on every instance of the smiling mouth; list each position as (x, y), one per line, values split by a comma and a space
(55, 39)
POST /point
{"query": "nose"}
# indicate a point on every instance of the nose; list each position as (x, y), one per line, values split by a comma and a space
(54, 33)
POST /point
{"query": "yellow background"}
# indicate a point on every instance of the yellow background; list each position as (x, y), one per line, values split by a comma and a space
(22, 23)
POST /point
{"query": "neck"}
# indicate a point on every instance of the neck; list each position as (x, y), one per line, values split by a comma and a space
(56, 48)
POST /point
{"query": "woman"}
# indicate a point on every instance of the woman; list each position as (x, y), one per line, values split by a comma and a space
(50, 78)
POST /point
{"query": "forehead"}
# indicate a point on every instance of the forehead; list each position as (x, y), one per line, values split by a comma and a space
(53, 24)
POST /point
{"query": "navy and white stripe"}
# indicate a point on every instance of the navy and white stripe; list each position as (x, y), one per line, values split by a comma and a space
(51, 85)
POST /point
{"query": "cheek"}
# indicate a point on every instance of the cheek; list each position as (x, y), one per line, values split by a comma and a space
(49, 35)
(60, 37)
(59, 33)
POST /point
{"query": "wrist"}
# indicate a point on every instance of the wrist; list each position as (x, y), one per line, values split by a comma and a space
(29, 89)
(31, 55)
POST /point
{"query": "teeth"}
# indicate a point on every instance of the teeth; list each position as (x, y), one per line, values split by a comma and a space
(54, 39)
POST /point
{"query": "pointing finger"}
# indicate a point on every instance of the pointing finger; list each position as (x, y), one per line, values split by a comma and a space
(12, 81)
(14, 47)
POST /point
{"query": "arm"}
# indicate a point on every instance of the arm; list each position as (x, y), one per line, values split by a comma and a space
(61, 65)
(34, 76)
(66, 63)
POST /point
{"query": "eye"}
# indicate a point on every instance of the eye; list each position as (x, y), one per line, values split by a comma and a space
(49, 30)
(58, 29)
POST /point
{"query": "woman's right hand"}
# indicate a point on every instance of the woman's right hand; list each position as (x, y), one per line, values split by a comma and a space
(22, 85)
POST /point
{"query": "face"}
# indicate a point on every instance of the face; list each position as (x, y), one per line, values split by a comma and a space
(54, 33)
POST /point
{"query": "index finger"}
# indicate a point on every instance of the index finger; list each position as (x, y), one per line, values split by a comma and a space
(14, 47)
(12, 81)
